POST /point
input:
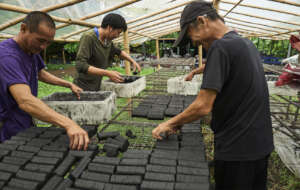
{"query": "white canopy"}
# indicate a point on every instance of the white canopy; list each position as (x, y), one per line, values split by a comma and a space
(149, 19)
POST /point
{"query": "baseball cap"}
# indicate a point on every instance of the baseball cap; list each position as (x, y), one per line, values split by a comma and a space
(189, 14)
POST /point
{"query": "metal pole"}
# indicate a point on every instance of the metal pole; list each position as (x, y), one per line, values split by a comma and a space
(126, 49)
(289, 51)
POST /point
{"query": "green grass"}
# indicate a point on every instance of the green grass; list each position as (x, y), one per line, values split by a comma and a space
(58, 66)
(47, 89)
(279, 176)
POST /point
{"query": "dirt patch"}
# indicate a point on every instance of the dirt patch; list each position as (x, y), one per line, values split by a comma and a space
(71, 71)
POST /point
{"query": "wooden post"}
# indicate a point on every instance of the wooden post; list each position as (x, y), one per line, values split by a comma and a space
(126, 49)
(157, 53)
(200, 55)
(127, 66)
(45, 56)
(216, 5)
(63, 55)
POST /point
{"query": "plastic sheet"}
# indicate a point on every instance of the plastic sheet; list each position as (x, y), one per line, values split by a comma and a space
(247, 13)
(288, 149)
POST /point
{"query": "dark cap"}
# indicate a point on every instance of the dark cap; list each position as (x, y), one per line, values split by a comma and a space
(189, 14)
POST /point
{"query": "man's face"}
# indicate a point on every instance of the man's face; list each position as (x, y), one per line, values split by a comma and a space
(199, 33)
(37, 41)
(113, 33)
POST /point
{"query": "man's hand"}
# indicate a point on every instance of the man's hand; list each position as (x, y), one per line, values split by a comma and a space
(115, 76)
(164, 127)
(78, 137)
(189, 77)
(136, 66)
(76, 90)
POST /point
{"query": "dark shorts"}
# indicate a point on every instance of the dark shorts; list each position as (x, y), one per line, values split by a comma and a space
(241, 175)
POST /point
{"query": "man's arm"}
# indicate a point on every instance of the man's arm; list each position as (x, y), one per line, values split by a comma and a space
(200, 107)
(37, 108)
(127, 57)
(113, 75)
(199, 70)
(46, 77)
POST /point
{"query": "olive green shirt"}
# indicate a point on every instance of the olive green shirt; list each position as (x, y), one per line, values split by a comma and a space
(92, 52)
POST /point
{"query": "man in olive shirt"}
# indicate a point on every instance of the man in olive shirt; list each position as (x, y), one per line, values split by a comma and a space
(96, 52)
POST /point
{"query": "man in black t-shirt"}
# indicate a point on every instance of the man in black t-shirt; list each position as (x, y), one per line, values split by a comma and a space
(234, 89)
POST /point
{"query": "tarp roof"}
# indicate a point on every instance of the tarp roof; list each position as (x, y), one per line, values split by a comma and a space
(149, 19)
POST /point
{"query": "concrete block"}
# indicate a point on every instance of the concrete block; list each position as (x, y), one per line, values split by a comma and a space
(125, 90)
(178, 85)
(93, 108)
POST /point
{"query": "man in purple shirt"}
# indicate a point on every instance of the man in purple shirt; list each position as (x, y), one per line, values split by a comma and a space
(21, 67)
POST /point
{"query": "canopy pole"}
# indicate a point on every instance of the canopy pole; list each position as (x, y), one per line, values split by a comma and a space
(123, 4)
(126, 49)
(63, 55)
(157, 53)
(289, 51)
(127, 67)
(216, 4)
(45, 56)
(47, 9)
(200, 55)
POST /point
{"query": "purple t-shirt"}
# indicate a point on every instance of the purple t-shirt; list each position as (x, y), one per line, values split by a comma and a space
(16, 67)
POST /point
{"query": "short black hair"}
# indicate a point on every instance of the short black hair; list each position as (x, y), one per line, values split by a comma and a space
(116, 21)
(34, 18)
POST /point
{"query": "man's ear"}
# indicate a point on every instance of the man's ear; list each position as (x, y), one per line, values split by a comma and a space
(109, 29)
(202, 20)
(23, 28)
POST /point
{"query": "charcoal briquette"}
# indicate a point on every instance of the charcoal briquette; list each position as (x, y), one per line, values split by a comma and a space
(80, 167)
(106, 135)
(105, 178)
(87, 184)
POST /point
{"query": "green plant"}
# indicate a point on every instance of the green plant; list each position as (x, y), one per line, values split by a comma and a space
(71, 47)
(276, 48)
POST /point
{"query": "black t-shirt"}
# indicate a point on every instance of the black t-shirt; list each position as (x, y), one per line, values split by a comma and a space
(241, 118)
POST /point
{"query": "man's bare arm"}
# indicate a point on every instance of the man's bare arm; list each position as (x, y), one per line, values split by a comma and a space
(37, 108)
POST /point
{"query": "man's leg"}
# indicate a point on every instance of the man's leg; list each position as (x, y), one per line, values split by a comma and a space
(234, 175)
(261, 173)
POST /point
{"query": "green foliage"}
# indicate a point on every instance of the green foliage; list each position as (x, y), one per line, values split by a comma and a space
(71, 47)
(276, 48)
(150, 47)
(172, 35)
